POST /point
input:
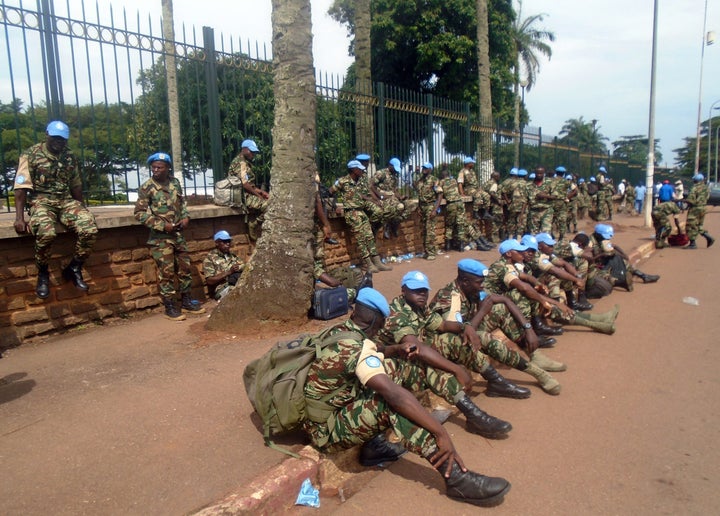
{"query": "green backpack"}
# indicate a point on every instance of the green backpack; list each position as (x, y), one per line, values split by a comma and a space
(275, 382)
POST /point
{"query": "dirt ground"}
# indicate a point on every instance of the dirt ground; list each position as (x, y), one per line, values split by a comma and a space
(149, 416)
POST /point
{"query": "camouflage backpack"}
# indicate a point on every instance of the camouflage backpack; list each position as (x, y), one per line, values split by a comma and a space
(275, 382)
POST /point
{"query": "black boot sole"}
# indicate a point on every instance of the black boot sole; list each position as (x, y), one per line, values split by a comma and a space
(491, 501)
(380, 460)
(517, 396)
(486, 434)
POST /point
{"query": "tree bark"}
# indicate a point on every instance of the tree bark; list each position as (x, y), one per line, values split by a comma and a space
(365, 114)
(277, 285)
(485, 164)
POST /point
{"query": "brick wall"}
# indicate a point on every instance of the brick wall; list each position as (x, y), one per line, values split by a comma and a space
(121, 274)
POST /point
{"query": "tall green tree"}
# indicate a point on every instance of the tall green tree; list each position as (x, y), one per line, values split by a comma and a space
(531, 44)
(586, 136)
(283, 261)
(485, 165)
(634, 149)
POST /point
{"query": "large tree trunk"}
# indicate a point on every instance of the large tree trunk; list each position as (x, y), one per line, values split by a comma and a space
(277, 285)
(365, 114)
(485, 163)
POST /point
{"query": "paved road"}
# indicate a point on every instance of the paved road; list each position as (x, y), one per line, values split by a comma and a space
(149, 416)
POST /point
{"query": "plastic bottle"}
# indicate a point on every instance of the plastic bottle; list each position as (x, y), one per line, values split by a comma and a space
(691, 301)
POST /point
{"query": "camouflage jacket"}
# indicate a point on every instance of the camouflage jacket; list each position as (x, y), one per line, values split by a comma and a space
(216, 263)
(450, 189)
(404, 320)
(698, 195)
(451, 304)
(666, 209)
(500, 273)
(354, 193)
(384, 180)
(469, 179)
(546, 187)
(493, 189)
(334, 370)
(426, 186)
(46, 174)
(158, 204)
(242, 168)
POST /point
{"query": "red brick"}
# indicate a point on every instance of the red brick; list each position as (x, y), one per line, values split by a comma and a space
(132, 268)
(135, 293)
(140, 254)
(12, 303)
(122, 256)
(121, 283)
(57, 311)
(97, 259)
(29, 316)
(14, 288)
(147, 302)
(111, 298)
(69, 292)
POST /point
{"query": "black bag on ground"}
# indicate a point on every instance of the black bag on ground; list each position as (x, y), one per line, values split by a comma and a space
(329, 303)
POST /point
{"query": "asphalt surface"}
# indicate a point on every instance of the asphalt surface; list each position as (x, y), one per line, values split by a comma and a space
(149, 416)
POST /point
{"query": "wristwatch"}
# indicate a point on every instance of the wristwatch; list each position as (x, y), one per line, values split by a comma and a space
(527, 326)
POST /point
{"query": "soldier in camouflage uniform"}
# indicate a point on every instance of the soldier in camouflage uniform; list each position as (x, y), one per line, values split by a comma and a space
(359, 208)
(51, 171)
(630, 196)
(573, 195)
(429, 203)
(384, 184)
(221, 267)
(604, 195)
(255, 199)
(469, 185)
(161, 207)
(583, 199)
(473, 315)
(661, 221)
(455, 222)
(560, 204)
(697, 202)
(354, 394)
(492, 188)
(541, 198)
(518, 192)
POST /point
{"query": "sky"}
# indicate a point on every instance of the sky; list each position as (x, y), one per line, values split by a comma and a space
(600, 67)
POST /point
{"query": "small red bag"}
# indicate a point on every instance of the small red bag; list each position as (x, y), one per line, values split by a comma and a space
(678, 240)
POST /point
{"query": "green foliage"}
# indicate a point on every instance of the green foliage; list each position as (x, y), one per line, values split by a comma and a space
(634, 149)
(584, 135)
(685, 156)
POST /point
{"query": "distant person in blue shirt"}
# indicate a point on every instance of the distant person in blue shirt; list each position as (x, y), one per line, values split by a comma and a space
(640, 192)
(667, 192)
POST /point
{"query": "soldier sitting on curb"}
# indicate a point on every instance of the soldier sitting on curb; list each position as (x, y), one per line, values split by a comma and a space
(221, 267)
(354, 395)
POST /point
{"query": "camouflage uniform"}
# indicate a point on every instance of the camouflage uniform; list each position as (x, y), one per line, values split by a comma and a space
(518, 193)
(156, 205)
(559, 206)
(697, 200)
(354, 413)
(52, 179)
(480, 200)
(573, 203)
(661, 221)
(541, 211)
(602, 198)
(426, 187)
(386, 182)
(451, 304)
(455, 222)
(257, 206)
(358, 212)
(217, 262)
(491, 187)
(630, 198)
(583, 201)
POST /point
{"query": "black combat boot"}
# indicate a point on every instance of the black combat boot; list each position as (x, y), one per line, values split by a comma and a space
(481, 246)
(487, 243)
(583, 301)
(499, 387)
(191, 305)
(546, 342)
(171, 311)
(73, 272)
(474, 488)
(691, 245)
(543, 329)
(365, 281)
(448, 245)
(42, 290)
(575, 303)
(647, 278)
(710, 240)
(378, 450)
(482, 423)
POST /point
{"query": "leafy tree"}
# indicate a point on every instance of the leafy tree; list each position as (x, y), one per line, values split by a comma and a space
(634, 149)
(584, 135)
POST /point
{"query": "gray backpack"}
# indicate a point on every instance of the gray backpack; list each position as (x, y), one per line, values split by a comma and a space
(229, 192)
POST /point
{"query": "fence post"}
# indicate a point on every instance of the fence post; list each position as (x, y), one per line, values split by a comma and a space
(381, 122)
(540, 145)
(51, 62)
(211, 86)
(430, 133)
(468, 139)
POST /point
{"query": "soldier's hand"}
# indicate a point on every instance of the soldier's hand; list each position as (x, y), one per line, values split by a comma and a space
(531, 341)
(463, 376)
(169, 227)
(21, 226)
(445, 455)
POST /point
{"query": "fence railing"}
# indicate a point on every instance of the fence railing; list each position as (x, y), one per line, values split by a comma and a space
(106, 79)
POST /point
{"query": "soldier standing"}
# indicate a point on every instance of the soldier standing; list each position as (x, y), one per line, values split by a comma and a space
(161, 207)
(429, 203)
(697, 202)
(51, 172)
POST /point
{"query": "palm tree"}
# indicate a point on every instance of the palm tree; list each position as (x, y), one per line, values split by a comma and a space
(283, 261)
(584, 135)
(530, 45)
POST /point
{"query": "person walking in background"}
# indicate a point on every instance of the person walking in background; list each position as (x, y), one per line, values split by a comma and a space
(640, 193)
(161, 207)
(51, 172)
(697, 202)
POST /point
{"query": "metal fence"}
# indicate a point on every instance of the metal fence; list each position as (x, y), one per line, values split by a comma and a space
(106, 78)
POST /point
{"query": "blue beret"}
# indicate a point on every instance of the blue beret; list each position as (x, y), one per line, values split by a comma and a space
(511, 245)
(428, 165)
(222, 235)
(581, 180)
(414, 280)
(251, 145)
(395, 164)
(355, 164)
(568, 177)
(160, 156)
(363, 157)
(592, 179)
(545, 238)
(473, 267)
(522, 172)
(468, 160)
(529, 241)
(602, 169)
(698, 177)
(605, 230)
(513, 171)
(58, 128)
(374, 300)
(560, 169)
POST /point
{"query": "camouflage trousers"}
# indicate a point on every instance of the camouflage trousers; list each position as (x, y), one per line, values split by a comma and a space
(662, 226)
(516, 221)
(501, 319)
(318, 251)
(560, 218)
(173, 260)
(495, 223)
(369, 414)
(541, 220)
(455, 221)
(257, 206)
(602, 207)
(427, 228)
(453, 348)
(480, 198)
(359, 223)
(572, 215)
(695, 221)
(45, 212)
(393, 209)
